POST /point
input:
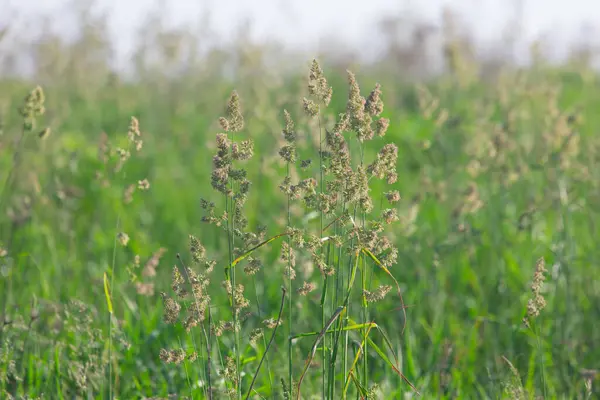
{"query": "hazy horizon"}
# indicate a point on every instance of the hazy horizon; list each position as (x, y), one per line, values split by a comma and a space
(303, 24)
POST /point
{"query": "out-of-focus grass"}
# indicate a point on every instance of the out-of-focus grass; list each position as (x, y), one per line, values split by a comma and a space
(493, 176)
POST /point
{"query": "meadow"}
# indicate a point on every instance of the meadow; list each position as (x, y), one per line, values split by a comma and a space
(324, 232)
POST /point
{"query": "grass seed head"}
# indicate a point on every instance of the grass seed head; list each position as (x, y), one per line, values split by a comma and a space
(537, 302)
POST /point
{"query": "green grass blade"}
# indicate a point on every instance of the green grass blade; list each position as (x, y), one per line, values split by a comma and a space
(107, 294)
(387, 271)
(252, 250)
(315, 345)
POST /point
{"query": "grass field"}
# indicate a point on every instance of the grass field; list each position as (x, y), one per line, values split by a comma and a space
(149, 248)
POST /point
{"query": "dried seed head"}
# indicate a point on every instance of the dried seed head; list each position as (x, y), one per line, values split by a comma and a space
(33, 107)
(221, 327)
(288, 132)
(271, 323)
(288, 153)
(289, 273)
(172, 309)
(235, 119)
(243, 150)
(357, 189)
(360, 121)
(310, 107)
(229, 373)
(144, 289)
(223, 142)
(134, 133)
(374, 104)
(193, 356)
(306, 288)
(390, 215)
(123, 154)
(253, 266)
(128, 194)
(177, 282)
(224, 123)
(378, 295)
(342, 124)
(196, 249)
(123, 238)
(381, 126)
(239, 300)
(150, 267)
(392, 196)
(173, 356)
(134, 127)
(537, 303)
(390, 257)
(317, 84)
(305, 164)
(385, 164)
(288, 256)
(144, 184)
(255, 335)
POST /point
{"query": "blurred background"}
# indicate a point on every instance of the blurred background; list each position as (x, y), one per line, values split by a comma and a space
(493, 105)
(408, 31)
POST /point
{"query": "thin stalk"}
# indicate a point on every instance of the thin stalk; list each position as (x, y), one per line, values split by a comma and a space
(324, 295)
(185, 369)
(208, 350)
(16, 159)
(365, 309)
(541, 351)
(270, 343)
(323, 322)
(230, 207)
(290, 355)
(264, 340)
(183, 266)
(7, 289)
(112, 280)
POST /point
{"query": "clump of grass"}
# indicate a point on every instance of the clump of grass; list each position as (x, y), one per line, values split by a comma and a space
(513, 389)
(534, 306)
(344, 243)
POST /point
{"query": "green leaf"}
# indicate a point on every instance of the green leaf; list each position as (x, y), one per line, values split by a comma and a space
(107, 294)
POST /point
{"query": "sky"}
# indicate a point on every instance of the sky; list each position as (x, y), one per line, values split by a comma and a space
(302, 23)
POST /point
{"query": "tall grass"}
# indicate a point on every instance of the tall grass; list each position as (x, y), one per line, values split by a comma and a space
(309, 243)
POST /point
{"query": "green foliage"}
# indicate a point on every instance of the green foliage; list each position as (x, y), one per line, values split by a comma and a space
(97, 212)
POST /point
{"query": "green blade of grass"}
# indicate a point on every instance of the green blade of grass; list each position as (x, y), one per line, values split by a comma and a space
(358, 353)
(386, 359)
(107, 294)
(252, 250)
(352, 327)
(313, 350)
(387, 271)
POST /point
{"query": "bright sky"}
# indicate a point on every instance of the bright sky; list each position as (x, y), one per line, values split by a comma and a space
(303, 22)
